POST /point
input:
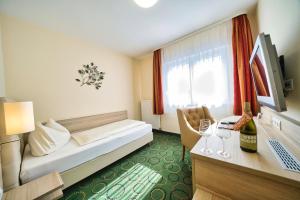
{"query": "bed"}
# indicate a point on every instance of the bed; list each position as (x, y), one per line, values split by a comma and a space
(75, 162)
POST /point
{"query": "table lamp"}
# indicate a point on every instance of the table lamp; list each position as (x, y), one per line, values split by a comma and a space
(16, 118)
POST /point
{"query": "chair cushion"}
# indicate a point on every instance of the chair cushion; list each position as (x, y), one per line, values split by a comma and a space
(193, 116)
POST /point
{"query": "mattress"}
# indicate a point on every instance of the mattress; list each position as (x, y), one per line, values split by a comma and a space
(107, 130)
(72, 155)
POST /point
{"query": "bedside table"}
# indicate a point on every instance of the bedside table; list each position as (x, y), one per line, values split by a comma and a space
(46, 187)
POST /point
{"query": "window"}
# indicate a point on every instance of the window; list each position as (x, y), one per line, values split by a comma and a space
(198, 71)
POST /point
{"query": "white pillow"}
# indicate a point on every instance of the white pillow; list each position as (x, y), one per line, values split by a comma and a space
(51, 123)
(45, 140)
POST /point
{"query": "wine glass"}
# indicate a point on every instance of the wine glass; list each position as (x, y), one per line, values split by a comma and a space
(205, 131)
(223, 134)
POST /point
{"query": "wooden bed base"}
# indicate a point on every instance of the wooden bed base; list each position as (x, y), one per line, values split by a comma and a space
(86, 169)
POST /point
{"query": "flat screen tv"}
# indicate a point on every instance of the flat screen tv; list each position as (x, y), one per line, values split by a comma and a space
(266, 73)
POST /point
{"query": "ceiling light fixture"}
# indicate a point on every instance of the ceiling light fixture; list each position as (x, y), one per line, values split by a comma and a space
(145, 3)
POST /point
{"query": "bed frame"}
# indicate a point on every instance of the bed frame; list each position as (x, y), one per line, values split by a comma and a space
(84, 170)
(79, 172)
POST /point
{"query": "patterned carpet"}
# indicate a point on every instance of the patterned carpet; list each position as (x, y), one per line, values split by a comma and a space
(153, 172)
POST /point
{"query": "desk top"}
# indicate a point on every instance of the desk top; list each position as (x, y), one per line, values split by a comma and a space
(263, 163)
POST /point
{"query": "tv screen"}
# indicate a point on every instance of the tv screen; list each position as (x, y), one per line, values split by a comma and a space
(259, 75)
(266, 73)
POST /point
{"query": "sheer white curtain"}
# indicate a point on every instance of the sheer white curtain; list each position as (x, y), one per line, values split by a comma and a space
(198, 71)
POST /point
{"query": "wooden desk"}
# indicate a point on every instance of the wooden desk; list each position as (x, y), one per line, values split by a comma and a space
(48, 187)
(204, 194)
(246, 175)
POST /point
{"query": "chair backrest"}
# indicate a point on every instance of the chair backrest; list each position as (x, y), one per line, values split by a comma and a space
(193, 116)
(189, 121)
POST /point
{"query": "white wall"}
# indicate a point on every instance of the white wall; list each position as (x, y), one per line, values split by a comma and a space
(41, 66)
(281, 19)
(2, 81)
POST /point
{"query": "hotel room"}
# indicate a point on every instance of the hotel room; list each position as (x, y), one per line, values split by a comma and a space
(149, 99)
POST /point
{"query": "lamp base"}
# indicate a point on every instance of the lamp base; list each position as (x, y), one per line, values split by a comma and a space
(8, 139)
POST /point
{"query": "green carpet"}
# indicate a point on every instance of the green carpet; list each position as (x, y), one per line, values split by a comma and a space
(152, 172)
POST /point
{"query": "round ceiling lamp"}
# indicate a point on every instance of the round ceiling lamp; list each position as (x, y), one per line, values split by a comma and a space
(145, 3)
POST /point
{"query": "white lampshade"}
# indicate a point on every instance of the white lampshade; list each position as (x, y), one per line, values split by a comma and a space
(16, 118)
(145, 3)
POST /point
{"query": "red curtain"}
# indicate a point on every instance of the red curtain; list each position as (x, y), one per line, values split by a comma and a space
(158, 105)
(242, 45)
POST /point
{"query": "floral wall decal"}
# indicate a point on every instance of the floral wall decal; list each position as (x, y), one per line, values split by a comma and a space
(90, 75)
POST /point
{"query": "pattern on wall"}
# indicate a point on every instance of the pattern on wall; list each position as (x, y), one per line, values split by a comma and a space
(150, 173)
(90, 75)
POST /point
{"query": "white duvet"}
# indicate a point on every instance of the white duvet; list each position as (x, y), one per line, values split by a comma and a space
(92, 135)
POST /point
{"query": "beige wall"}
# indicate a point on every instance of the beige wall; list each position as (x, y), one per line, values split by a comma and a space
(143, 80)
(137, 87)
(41, 66)
(2, 82)
(145, 65)
(252, 16)
(281, 19)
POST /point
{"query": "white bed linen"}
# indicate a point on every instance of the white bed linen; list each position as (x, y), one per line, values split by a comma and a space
(107, 130)
(72, 154)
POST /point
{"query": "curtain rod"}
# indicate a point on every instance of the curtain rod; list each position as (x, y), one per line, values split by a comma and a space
(198, 31)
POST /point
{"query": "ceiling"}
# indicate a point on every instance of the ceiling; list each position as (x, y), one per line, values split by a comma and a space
(120, 24)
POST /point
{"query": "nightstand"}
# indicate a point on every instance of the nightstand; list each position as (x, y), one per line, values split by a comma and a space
(47, 187)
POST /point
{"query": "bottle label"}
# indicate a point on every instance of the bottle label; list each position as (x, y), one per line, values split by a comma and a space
(248, 138)
(248, 141)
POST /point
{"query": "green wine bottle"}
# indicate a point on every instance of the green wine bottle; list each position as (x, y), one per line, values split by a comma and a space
(248, 133)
